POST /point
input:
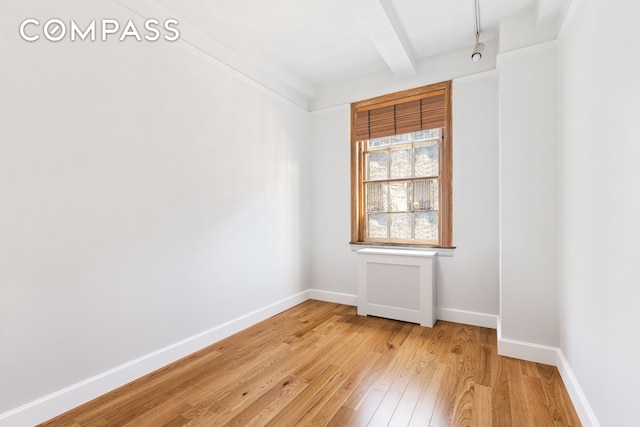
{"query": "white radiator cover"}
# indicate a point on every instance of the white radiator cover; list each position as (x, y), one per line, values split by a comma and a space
(398, 284)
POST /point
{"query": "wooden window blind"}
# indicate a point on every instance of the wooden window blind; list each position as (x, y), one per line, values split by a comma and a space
(392, 117)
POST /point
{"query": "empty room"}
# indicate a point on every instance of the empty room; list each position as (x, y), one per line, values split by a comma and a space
(319, 213)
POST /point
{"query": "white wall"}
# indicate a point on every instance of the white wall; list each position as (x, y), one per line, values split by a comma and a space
(138, 207)
(334, 265)
(600, 206)
(470, 279)
(467, 281)
(528, 195)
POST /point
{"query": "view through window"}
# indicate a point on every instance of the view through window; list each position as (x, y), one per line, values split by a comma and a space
(401, 186)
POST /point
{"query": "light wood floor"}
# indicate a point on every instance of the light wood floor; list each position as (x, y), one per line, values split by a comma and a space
(321, 364)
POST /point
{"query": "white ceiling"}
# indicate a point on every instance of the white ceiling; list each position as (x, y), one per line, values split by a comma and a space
(322, 42)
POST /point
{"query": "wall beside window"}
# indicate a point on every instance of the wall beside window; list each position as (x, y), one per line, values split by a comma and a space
(529, 195)
(468, 280)
(139, 209)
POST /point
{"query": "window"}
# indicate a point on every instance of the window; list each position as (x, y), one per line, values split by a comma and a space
(401, 168)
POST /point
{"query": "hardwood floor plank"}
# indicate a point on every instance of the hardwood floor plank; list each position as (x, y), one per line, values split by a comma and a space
(375, 371)
(557, 396)
(485, 365)
(305, 401)
(500, 400)
(443, 411)
(342, 417)
(538, 401)
(482, 415)
(178, 421)
(423, 412)
(95, 422)
(409, 401)
(396, 333)
(471, 368)
(320, 364)
(365, 411)
(355, 370)
(263, 409)
(385, 410)
(162, 415)
(518, 398)
(399, 370)
(433, 347)
(320, 401)
(464, 404)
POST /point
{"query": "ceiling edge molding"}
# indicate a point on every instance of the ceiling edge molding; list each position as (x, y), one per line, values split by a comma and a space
(478, 76)
(551, 11)
(525, 51)
(568, 17)
(275, 79)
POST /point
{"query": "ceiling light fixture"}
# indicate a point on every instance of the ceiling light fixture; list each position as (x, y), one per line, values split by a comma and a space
(478, 48)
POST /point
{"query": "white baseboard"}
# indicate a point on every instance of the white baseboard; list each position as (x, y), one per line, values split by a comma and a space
(335, 297)
(580, 402)
(525, 350)
(474, 318)
(449, 314)
(49, 406)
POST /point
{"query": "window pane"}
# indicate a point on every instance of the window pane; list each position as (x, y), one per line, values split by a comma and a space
(402, 138)
(400, 226)
(425, 195)
(376, 195)
(426, 158)
(379, 142)
(426, 226)
(426, 134)
(377, 226)
(377, 166)
(401, 163)
(399, 195)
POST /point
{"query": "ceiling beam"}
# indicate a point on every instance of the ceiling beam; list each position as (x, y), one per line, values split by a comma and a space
(380, 22)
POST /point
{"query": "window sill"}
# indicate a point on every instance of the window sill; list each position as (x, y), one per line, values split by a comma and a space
(444, 252)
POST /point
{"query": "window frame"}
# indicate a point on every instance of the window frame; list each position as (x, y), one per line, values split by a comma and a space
(445, 202)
